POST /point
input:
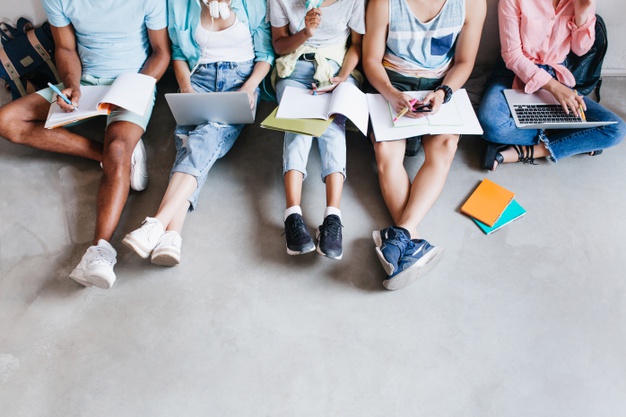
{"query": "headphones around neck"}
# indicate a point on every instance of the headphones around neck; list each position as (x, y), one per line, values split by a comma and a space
(218, 9)
(313, 4)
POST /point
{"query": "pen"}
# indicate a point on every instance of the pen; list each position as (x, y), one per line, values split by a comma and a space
(60, 94)
(405, 110)
(581, 111)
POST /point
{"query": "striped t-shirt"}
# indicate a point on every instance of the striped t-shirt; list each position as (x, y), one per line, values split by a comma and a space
(417, 49)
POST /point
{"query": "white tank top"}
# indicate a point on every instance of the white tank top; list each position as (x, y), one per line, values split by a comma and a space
(233, 44)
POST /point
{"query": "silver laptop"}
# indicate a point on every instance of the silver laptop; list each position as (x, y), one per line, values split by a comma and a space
(540, 110)
(230, 107)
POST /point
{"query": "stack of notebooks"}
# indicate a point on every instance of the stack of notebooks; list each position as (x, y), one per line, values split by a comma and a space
(492, 206)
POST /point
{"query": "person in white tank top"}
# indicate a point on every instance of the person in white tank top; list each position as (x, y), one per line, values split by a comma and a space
(228, 49)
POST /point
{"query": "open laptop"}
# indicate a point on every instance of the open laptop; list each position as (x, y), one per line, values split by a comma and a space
(540, 110)
(229, 107)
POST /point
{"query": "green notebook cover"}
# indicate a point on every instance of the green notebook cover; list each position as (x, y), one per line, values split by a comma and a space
(512, 212)
(310, 127)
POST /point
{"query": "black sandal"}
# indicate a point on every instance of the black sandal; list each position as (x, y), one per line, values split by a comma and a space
(525, 154)
(493, 155)
(595, 153)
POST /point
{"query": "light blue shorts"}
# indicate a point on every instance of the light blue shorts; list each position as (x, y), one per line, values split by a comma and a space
(119, 115)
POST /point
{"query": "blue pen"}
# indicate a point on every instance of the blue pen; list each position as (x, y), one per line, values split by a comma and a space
(60, 94)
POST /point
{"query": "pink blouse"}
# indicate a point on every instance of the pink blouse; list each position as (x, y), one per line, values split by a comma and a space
(533, 32)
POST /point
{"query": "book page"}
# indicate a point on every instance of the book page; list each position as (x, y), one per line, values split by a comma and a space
(349, 100)
(131, 91)
(90, 96)
(299, 103)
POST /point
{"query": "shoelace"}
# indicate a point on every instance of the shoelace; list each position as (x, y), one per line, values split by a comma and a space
(297, 229)
(332, 228)
(168, 239)
(102, 255)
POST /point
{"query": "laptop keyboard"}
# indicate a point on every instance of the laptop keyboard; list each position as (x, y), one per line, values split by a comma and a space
(543, 113)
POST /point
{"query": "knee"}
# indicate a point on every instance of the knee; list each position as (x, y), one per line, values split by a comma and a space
(444, 149)
(117, 152)
(618, 131)
(388, 154)
(10, 125)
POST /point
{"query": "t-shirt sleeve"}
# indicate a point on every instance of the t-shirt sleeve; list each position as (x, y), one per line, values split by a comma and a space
(156, 14)
(54, 11)
(357, 18)
(278, 17)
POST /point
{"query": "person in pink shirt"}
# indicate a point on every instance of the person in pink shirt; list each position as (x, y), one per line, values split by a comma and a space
(536, 36)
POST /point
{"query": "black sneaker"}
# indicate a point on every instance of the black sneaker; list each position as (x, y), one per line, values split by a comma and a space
(329, 237)
(299, 239)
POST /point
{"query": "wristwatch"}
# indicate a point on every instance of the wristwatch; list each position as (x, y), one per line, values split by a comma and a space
(448, 92)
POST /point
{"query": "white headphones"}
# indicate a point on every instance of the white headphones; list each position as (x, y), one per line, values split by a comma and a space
(218, 9)
(311, 5)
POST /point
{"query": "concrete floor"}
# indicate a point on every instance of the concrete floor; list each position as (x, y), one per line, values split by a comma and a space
(529, 321)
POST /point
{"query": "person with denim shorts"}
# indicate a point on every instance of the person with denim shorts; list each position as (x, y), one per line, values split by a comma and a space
(216, 46)
(125, 37)
(536, 37)
(412, 45)
(320, 45)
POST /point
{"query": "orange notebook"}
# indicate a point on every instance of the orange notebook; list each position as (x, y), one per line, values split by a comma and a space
(487, 202)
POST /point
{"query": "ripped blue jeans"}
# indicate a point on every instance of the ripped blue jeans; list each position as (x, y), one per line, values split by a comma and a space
(499, 126)
(198, 147)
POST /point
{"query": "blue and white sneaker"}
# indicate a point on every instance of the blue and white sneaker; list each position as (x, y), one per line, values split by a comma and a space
(391, 243)
(419, 258)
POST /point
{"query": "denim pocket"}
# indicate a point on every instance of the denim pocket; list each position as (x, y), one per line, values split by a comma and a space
(244, 69)
(441, 46)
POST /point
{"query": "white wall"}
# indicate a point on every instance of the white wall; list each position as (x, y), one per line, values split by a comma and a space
(613, 12)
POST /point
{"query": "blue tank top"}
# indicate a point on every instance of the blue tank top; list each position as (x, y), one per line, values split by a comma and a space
(415, 47)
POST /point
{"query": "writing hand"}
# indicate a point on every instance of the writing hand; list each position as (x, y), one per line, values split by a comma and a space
(73, 95)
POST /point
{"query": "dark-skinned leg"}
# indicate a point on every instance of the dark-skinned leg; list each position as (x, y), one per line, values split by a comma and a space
(22, 122)
(119, 142)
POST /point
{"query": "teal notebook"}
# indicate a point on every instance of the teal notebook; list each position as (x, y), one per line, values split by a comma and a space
(512, 212)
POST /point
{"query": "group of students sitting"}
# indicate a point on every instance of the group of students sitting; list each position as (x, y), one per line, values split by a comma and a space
(402, 45)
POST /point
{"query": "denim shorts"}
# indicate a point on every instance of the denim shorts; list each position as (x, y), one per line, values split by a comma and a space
(332, 144)
(198, 147)
(119, 115)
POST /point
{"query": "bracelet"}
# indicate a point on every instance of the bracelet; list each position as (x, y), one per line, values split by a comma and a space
(447, 92)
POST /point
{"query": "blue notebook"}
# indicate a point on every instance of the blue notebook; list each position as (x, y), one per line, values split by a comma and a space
(512, 212)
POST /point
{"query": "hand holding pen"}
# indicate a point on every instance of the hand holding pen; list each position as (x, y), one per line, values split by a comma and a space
(62, 99)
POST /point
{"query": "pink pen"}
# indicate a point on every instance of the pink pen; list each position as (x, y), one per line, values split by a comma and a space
(404, 110)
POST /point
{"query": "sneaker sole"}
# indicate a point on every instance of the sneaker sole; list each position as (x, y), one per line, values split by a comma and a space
(304, 250)
(81, 281)
(421, 267)
(165, 258)
(100, 281)
(389, 268)
(319, 249)
(136, 246)
(139, 181)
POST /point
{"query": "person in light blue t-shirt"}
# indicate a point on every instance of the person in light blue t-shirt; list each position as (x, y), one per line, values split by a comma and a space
(95, 43)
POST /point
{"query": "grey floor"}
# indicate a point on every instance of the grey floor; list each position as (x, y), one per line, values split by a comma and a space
(529, 321)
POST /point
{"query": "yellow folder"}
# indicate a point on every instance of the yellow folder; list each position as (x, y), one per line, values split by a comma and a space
(310, 127)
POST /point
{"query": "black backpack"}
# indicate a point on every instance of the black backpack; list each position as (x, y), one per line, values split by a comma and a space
(587, 68)
(27, 57)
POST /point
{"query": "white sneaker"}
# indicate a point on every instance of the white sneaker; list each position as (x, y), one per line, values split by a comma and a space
(144, 240)
(167, 251)
(139, 168)
(96, 266)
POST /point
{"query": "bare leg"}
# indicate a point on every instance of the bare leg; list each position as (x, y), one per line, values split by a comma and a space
(293, 188)
(439, 152)
(173, 209)
(334, 188)
(392, 177)
(119, 141)
(22, 122)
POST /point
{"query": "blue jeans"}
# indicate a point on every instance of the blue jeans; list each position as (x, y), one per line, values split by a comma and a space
(332, 144)
(198, 147)
(499, 126)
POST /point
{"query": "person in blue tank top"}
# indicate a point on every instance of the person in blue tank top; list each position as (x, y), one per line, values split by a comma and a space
(412, 45)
